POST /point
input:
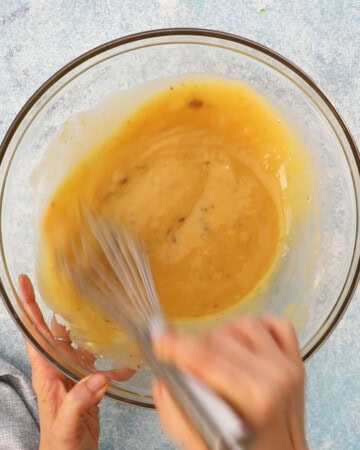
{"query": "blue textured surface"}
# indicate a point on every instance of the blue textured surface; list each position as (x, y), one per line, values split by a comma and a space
(37, 37)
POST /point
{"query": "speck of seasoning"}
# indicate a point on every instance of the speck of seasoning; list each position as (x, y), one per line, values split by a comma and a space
(207, 162)
(195, 103)
(171, 88)
(173, 239)
(181, 219)
(168, 231)
(204, 209)
(120, 178)
(212, 206)
(141, 165)
(262, 11)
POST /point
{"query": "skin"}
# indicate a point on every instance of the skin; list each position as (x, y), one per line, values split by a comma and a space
(68, 411)
(255, 364)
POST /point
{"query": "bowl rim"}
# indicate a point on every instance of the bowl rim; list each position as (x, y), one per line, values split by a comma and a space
(173, 32)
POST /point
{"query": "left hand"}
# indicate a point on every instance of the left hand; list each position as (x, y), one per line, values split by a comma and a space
(68, 411)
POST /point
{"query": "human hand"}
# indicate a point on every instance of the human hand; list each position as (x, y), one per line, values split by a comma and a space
(255, 365)
(68, 411)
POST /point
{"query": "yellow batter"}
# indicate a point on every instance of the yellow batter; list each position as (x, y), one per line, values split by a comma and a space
(206, 172)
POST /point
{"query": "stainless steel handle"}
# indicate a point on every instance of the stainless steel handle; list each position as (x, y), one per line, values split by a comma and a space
(218, 424)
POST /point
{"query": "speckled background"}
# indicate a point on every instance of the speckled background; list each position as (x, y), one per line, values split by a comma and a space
(37, 37)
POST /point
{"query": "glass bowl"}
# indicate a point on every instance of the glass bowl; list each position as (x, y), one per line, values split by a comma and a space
(318, 272)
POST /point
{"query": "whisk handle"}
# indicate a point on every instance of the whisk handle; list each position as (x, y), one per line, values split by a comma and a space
(219, 425)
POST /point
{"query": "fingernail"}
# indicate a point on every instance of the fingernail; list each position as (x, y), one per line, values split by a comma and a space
(96, 382)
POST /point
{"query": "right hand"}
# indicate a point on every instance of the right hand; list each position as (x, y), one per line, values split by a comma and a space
(254, 364)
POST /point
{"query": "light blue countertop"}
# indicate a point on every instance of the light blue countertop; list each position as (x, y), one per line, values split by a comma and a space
(37, 37)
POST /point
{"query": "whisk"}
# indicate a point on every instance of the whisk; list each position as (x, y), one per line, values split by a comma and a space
(113, 270)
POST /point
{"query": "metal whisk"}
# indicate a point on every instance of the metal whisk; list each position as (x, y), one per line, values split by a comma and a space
(112, 269)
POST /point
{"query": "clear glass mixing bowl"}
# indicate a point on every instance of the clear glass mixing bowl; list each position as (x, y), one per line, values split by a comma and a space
(319, 270)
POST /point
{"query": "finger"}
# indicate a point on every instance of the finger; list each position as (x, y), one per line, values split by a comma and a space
(40, 368)
(26, 288)
(119, 374)
(230, 347)
(285, 336)
(78, 402)
(63, 342)
(28, 295)
(173, 419)
(198, 355)
(86, 358)
(247, 332)
(252, 331)
(57, 329)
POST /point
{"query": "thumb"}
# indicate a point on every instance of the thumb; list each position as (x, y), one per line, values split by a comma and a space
(79, 400)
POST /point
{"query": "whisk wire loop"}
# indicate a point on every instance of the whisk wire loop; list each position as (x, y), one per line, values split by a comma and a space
(113, 270)
(121, 262)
